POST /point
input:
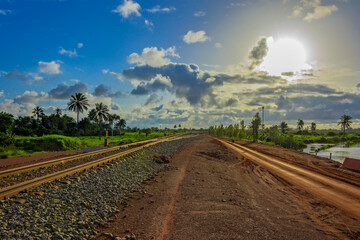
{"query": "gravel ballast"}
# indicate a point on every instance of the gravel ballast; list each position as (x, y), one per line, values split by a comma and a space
(72, 211)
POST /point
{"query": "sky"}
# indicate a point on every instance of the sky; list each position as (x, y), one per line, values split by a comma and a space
(194, 63)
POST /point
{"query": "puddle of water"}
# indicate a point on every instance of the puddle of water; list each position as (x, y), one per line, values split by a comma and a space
(339, 152)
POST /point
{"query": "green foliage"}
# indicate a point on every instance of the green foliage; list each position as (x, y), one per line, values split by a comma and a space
(345, 122)
(254, 126)
(300, 124)
(48, 143)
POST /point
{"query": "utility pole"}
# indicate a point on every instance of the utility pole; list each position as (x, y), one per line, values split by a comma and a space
(263, 124)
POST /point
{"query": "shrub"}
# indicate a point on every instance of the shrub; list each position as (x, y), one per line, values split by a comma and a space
(3, 155)
(331, 134)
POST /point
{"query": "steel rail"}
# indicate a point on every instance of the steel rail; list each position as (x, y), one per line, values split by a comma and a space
(13, 171)
(20, 187)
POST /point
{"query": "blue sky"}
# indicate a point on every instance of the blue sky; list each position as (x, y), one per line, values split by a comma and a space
(195, 63)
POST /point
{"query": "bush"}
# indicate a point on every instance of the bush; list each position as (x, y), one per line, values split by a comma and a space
(331, 134)
(3, 155)
(48, 143)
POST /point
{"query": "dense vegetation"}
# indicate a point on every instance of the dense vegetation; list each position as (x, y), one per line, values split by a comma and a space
(285, 137)
(57, 131)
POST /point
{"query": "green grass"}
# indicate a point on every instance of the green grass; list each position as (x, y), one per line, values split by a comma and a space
(128, 137)
(30, 145)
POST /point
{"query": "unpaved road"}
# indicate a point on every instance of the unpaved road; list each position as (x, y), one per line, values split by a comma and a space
(213, 192)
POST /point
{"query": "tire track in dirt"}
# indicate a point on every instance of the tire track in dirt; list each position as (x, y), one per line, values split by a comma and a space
(166, 223)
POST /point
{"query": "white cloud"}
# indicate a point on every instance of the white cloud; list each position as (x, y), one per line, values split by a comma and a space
(36, 77)
(313, 10)
(9, 106)
(5, 12)
(49, 67)
(30, 97)
(193, 37)
(149, 24)
(297, 11)
(68, 53)
(117, 75)
(128, 8)
(158, 9)
(80, 45)
(105, 71)
(1, 93)
(320, 12)
(153, 56)
(218, 45)
(199, 14)
(24, 77)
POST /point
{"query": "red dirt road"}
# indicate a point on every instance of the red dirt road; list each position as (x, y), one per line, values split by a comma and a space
(211, 192)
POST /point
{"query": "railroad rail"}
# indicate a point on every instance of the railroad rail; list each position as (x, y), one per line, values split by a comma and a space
(13, 171)
(20, 187)
(341, 194)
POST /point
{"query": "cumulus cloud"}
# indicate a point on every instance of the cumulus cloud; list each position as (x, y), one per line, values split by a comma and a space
(1, 93)
(30, 97)
(320, 12)
(80, 45)
(199, 14)
(63, 91)
(128, 8)
(313, 10)
(194, 37)
(158, 82)
(105, 91)
(159, 9)
(49, 67)
(258, 53)
(153, 99)
(153, 56)
(68, 53)
(24, 77)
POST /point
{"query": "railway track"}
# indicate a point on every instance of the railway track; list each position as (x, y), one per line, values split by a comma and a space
(28, 168)
(26, 185)
(345, 196)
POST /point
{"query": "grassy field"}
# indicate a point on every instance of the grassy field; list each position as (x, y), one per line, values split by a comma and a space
(31, 145)
(128, 137)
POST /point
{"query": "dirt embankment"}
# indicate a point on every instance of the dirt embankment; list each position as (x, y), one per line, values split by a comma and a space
(321, 165)
(208, 192)
(19, 161)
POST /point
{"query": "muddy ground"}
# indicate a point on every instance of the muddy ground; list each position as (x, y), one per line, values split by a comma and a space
(209, 192)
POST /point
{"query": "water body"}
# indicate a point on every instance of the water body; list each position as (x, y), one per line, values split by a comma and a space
(339, 152)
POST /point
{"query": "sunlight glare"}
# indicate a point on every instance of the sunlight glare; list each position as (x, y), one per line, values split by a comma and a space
(284, 55)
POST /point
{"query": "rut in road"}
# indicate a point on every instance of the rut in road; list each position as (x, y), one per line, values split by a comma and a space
(340, 194)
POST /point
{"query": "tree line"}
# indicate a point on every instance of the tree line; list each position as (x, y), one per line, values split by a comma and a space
(277, 134)
(98, 119)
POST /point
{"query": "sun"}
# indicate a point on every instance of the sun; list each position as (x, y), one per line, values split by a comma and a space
(285, 55)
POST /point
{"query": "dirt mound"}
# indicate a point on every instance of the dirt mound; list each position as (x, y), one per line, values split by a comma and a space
(161, 159)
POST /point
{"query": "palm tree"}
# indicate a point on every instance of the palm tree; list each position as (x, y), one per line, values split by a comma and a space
(58, 112)
(313, 126)
(112, 118)
(283, 127)
(345, 122)
(300, 124)
(121, 124)
(38, 112)
(99, 114)
(78, 103)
